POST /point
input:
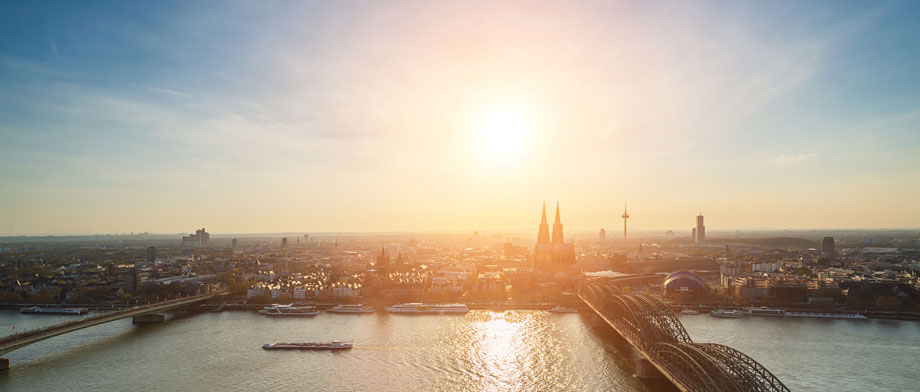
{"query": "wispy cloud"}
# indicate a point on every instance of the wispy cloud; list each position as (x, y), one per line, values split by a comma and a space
(167, 91)
(792, 159)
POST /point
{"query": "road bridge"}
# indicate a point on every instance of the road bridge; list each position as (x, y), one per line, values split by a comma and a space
(653, 330)
(140, 314)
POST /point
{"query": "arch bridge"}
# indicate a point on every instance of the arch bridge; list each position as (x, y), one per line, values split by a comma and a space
(140, 314)
(652, 328)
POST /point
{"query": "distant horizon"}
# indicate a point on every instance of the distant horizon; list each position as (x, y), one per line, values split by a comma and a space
(611, 235)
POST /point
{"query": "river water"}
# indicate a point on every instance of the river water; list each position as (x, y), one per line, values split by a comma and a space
(480, 351)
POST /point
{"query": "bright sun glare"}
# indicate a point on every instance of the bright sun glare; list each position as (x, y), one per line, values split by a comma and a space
(503, 133)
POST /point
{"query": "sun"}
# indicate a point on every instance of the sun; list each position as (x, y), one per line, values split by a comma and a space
(503, 132)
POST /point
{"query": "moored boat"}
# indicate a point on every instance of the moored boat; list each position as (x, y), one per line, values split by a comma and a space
(826, 315)
(308, 346)
(420, 308)
(721, 313)
(358, 308)
(289, 311)
(689, 312)
(41, 310)
(765, 311)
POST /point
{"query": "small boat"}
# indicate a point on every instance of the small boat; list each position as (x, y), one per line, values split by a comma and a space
(308, 346)
(561, 309)
(289, 311)
(359, 308)
(420, 308)
(689, 312)
(721, 313)
(40, 310)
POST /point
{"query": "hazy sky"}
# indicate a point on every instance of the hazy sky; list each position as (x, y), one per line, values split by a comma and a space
(259, 116)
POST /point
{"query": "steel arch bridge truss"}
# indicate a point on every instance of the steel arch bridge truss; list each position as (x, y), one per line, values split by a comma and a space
(650, 325)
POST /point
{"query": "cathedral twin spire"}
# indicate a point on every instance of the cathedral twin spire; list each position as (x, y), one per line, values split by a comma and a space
(557, 228)
(543, 235)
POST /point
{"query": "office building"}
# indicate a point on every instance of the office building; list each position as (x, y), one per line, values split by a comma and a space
(827, 247)
(700, 230)
(198, 240)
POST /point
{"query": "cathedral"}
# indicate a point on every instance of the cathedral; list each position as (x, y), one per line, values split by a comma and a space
(552, 252)
(384, 267)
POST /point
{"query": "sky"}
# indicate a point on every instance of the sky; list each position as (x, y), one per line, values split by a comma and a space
(365, 116)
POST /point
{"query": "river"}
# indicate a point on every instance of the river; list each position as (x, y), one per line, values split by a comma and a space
(480, 351)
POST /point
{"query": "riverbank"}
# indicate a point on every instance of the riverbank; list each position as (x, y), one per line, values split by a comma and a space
(379, 305)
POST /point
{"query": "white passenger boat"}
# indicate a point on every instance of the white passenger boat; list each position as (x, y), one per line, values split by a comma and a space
(41, 310)
(289, 311)
(358, 308)
(721, 313)
(689, 312)
(420, 308)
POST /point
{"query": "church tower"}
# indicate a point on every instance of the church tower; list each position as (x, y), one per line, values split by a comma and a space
(556, 253)
(557, 228)
(383, 263)
(543, 234)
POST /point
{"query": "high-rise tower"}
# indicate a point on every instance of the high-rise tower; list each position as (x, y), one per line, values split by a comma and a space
(543, 234)
(827, 247)
(625, 217)
(700, 229)
(557, 228)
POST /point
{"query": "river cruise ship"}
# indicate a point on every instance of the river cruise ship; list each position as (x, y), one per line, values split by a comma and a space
(289, 311)
(358, 308)
(420, 308)
(765, 311)
(826, 315)
(41, 310)
(721, 313)
(308, 346)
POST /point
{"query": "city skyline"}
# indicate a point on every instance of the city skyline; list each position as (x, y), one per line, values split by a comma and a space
(326, 117)
(358, 195)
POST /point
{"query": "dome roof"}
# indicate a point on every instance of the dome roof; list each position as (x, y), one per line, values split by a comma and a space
(686, 279)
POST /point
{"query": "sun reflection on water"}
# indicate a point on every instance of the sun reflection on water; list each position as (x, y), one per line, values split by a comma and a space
(502, 354)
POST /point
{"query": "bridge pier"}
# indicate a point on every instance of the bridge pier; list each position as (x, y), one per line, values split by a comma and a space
(4, 363)
(645, 369)
(145, 319)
